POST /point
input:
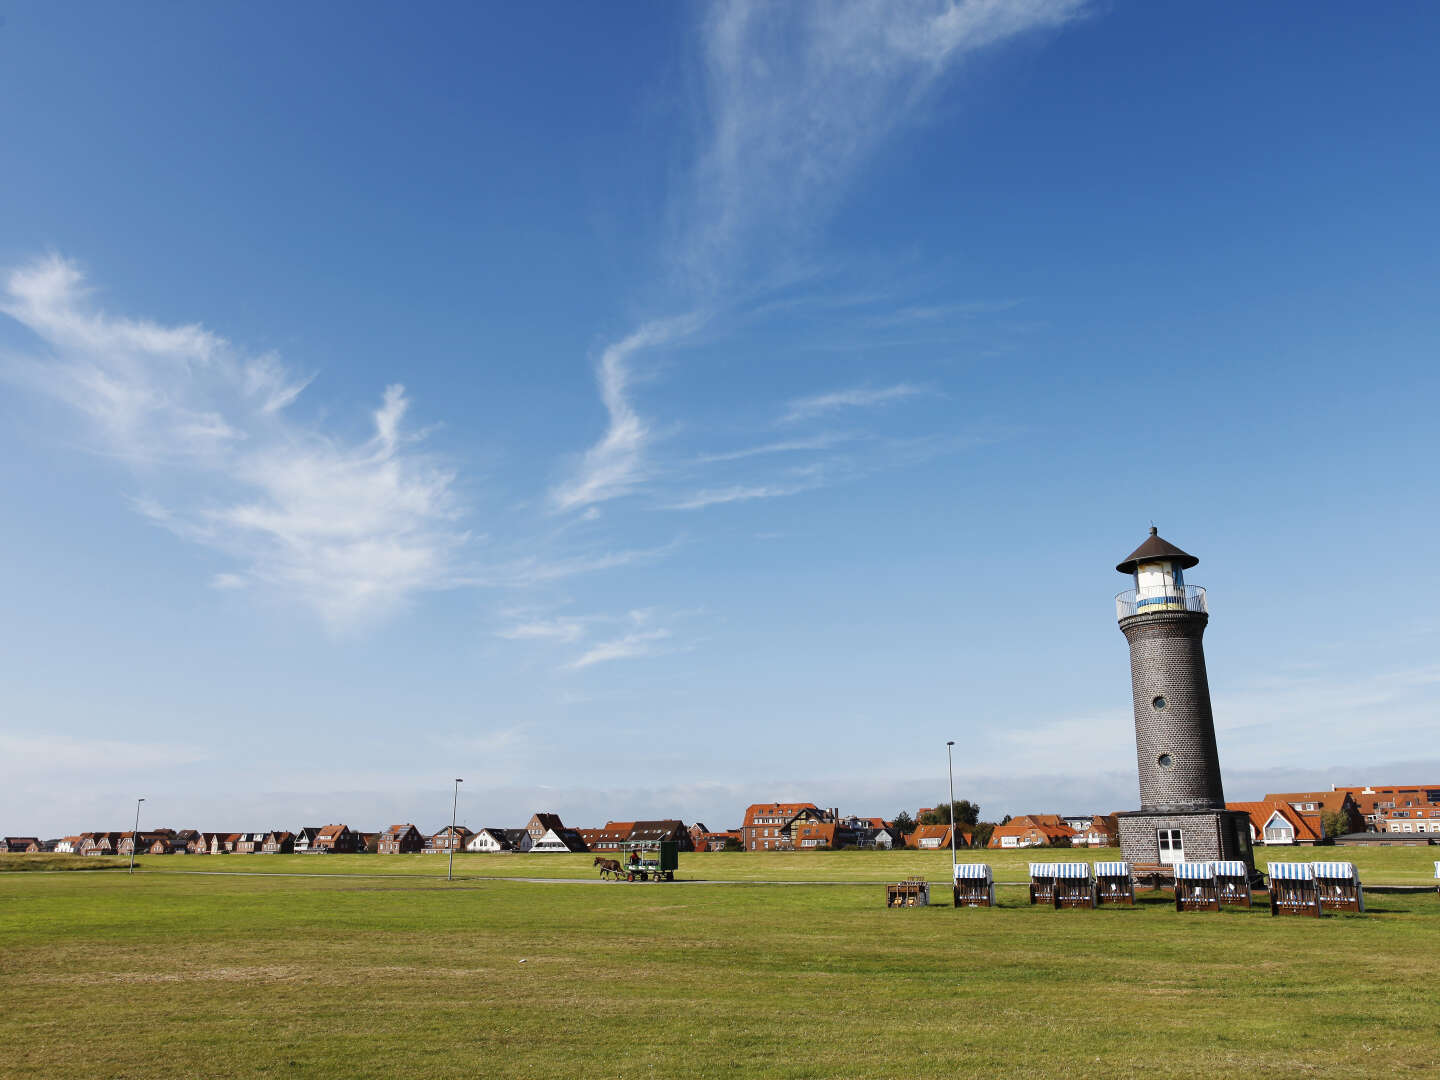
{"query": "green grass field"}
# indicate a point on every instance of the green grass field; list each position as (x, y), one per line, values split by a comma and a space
(1378, 866)
(169, 974)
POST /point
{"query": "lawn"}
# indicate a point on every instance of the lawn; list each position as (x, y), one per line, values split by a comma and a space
(108, 975)
(1378, 866)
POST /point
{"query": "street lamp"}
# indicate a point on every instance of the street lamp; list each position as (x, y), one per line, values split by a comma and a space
(454, 806)
(950, 760)
(135, 836)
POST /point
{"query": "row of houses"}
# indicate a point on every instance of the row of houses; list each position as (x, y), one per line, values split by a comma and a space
(1278, 819)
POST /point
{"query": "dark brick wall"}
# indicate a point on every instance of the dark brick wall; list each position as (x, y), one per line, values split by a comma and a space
(1167, 660)
(1206, 835)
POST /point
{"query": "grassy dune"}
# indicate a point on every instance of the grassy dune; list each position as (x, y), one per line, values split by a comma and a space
(105, 975)
(1394, 866)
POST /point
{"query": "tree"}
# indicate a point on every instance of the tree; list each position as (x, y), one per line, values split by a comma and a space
(963, 811)
(904, 823)
(1334, 823)
(983, 831)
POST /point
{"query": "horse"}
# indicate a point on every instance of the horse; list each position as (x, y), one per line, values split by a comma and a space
(607, 866)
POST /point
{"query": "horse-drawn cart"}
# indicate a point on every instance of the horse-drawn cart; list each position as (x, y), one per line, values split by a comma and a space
(646, 860)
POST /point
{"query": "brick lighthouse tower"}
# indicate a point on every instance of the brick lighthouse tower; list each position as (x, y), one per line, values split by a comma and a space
(1182, 813)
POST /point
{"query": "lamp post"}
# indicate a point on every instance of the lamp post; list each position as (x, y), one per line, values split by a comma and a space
(950, 761)
(135, 836)
(454, 806)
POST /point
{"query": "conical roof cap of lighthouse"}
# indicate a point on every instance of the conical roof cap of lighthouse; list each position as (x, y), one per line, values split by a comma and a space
(1155, 549)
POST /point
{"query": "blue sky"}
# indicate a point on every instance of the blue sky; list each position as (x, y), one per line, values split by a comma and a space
(654, 409)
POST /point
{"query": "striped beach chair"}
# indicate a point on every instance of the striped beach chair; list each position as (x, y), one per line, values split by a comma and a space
(1338, 885)
(1232, 882)
(1042, 883)
(1114, 884)
(1195, 888)
(974, 885)
(1074, 885)
(1292, 889)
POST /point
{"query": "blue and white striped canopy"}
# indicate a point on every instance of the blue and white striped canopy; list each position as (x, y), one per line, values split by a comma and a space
(1232, 868)
(974, 871)
(1437, 869)
(1336, 870)
(1291, 871)
(1042, 869)
(1122, 869)
(1072, 870)
(1194, 871)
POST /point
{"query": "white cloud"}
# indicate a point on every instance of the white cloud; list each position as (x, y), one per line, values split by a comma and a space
(800, 96)
(616, 464)
(742, 493)
(349, 528)
(560, 630)
(629, 647)
(796, 99)
(808, 408)
(789, 446)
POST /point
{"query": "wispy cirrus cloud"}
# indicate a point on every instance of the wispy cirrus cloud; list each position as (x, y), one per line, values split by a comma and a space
(557, 630)
(796, 100)
(631, 646)
(788, 446)
(616, 464)
(349, 527)
(858, 397)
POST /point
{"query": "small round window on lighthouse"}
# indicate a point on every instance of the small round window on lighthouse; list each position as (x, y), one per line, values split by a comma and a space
(1165, 761)
(1159, 703)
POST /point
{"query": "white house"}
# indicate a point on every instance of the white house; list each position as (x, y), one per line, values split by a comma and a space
(553, 841)
(499, 840)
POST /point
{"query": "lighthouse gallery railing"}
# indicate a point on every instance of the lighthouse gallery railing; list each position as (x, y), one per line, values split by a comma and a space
(1160, 598)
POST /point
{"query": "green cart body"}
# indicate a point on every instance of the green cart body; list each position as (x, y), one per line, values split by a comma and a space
(659, 859)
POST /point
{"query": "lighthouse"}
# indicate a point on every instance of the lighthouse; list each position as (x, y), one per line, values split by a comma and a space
(1182, 815)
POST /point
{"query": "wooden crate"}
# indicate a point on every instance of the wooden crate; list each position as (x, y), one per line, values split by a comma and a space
(914, 892)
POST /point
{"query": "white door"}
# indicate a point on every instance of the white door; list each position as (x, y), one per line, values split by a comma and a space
(1172, 849)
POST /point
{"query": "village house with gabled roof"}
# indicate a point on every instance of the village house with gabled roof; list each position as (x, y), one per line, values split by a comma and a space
(654, 831)
(763, 823)
(278, 842)
(542, 822)
(608, 837)
(153, 842)
(68, 845)
(18, 845)
(1275, 822)
(1313, 805)
(885, 837)
(305, 839)
(400, 840)
(337, 840)
(1100, 831)
(558, 840)
(441, 842)
(99, 843)
(1026, 831)
(728, 839)
(493, 839)
(250, 843)
(934, 837)
(1417, 819)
